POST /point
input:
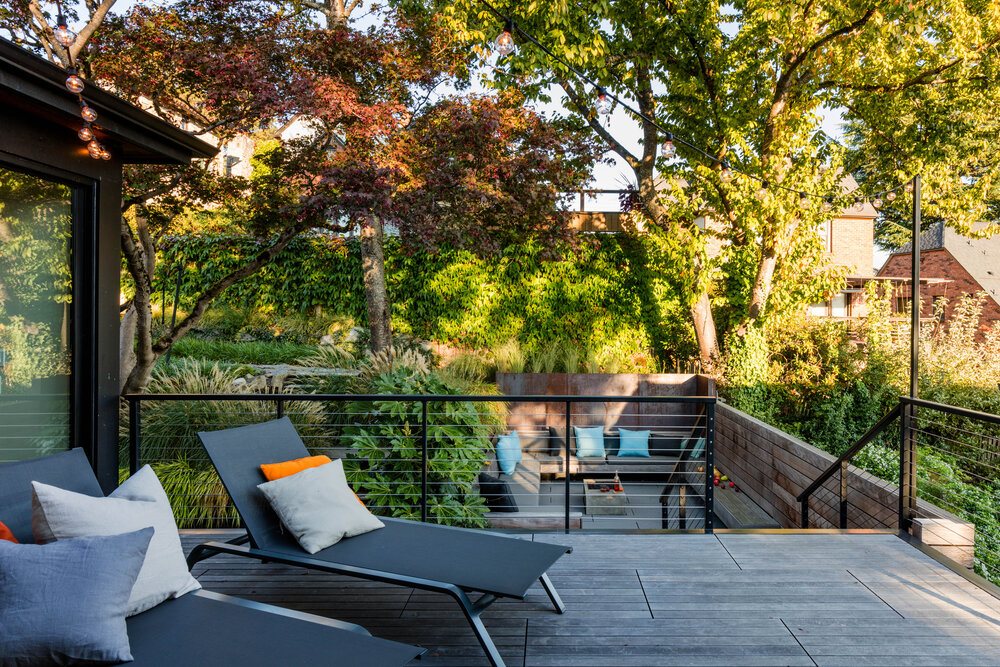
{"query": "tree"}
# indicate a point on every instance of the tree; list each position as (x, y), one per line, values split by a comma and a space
(476, 173)
(747, 83)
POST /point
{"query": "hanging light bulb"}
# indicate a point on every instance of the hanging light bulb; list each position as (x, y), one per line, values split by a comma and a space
(62, 33)
(803, 200)
(859, 204)
(94, 149)
(603, 102)
(726, 174)
(74, 84)
(877, 202)
(668, 146)
(505, 40)
(85, 133)
(891, 195)
(87, 113)
(762, 190)
(105, 155)
(909, 188)
(827, 205)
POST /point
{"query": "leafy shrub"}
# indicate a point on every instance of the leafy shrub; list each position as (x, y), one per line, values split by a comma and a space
(385, 457)
(245, 352)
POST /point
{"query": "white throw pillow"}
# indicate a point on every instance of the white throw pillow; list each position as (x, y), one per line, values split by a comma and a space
(318, 506)
(57, 514)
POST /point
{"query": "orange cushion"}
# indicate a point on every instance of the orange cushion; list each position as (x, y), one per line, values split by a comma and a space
(5, 534)
(273, 471)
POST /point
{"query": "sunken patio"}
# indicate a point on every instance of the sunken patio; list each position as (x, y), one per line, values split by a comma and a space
(729, 598)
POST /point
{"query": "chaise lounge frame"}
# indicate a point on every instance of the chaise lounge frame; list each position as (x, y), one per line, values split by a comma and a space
(203, 627)
(458, 562)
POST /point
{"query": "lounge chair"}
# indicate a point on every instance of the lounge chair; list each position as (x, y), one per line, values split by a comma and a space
(456, 561)
(203, 628)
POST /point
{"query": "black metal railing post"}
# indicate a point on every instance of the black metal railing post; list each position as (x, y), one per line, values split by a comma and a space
(907, 468)
(843, 494)
(280, 407)
(423, 459)
(133, 434)
(569, 408)
(804, 513)
(710, 470)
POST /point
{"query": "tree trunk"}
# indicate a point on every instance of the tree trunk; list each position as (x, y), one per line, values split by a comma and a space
(373, 266)
(704, 329)
(762, 285)
(126, 346)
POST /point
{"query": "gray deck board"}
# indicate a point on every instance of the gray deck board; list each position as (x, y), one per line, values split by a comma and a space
(643, 600)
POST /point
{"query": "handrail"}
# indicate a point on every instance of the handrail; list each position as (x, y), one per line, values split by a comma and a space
(951, 409)
(498, 398)
(840, 464)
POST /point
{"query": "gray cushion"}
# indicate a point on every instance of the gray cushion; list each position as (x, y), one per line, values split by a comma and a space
(66, 601)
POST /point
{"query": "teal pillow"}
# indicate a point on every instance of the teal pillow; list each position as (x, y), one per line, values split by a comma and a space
(589, 441)
(698, 450)
(508, 452)
(633, 443)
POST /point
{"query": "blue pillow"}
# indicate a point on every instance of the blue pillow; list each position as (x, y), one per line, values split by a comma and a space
(589, 441)
(508, 452)
(698, 451)
(633, 443)
(65, 602)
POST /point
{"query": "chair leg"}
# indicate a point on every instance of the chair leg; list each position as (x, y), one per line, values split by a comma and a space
(198, 554)
(553, 595)
(472, 613)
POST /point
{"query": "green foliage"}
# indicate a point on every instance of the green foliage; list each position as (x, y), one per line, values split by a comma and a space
(609, 299)
(384, 462)
(248, 352)
(198, 498)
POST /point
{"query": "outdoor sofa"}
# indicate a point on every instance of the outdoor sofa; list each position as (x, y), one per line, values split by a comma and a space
(202, 627)
(458, 562)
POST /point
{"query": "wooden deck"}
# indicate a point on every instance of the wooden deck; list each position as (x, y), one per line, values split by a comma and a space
(725, 599)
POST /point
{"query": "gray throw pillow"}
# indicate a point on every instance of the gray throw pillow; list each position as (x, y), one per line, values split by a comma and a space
(65, 602)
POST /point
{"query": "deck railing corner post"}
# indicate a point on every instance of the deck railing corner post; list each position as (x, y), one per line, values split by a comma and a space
(710, 469)
(134, 433)
(423, 460)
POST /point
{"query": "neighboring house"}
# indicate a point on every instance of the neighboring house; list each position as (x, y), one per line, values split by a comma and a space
(849, 240)
(953, 265)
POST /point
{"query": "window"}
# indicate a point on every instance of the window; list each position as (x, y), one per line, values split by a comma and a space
(825, 231)
(840, 305)
(819, 309)
(231, 161)
(36, 220)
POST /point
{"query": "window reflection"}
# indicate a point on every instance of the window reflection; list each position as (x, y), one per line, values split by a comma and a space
(35, 298)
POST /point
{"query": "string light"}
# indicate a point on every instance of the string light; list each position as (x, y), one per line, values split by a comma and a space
(603, 102)
(74, 84)
(827, 205)
(62, 33)
(859, 205)
(762, 190)
(726, 174)
(668, 146)
(505, 40)
(803, 200)
(85, 133)
(604, 105)
(87, 113)
(877, 202)
(908, 187)
(94, 149)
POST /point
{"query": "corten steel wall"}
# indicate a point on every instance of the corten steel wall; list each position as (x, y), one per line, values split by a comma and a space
(940, 264)
(773, 467)
(611, 414)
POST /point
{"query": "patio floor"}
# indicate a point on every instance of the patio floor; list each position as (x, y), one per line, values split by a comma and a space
(725, 599)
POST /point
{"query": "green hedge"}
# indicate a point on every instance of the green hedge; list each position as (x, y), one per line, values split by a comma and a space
(605, 298)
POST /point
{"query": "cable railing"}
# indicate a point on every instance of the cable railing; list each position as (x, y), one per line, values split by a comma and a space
(629, 463)
(948, 458)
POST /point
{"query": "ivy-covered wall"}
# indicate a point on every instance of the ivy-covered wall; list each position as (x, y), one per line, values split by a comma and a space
(604, 298)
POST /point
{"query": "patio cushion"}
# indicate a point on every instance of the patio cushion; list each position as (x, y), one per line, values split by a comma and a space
(58, 514)
(633, 443)
(496, 493)
(589, 441)
(273, 471)
(508, 452)
(65, 602)
(5, 533)
(318, 507)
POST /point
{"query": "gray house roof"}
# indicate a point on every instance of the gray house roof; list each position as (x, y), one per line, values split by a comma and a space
(980, 257)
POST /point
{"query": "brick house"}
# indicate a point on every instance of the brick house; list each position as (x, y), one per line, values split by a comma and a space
(954, 265)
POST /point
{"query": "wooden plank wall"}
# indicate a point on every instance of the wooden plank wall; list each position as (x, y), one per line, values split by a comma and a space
(773, 467)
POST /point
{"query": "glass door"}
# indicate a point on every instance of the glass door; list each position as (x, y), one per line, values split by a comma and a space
(36, 293)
